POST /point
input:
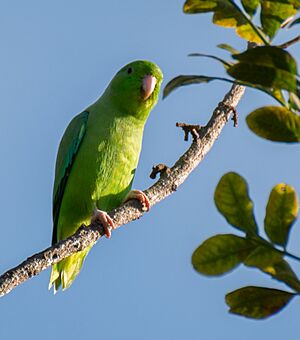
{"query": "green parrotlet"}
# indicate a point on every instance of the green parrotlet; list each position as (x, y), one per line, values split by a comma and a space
(97, 159)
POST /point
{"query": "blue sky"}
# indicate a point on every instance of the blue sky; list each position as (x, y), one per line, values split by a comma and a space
(56, 58)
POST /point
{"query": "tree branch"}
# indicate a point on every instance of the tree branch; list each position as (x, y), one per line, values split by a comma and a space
(169, 182)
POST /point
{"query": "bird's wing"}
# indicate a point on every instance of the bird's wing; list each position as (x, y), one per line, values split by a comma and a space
(67, 152)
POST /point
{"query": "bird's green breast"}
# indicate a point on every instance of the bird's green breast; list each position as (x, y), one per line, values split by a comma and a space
(103, 170)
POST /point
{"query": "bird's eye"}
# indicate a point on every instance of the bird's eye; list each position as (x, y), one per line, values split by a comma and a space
(129, 70)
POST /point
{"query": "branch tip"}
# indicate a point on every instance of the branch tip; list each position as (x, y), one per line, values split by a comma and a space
(234, 117)
(174, 187)
(230, 109)
(194, 130)
(159, 168)
(290, 42)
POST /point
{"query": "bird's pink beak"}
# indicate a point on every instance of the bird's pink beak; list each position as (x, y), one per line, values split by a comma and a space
(148, 86)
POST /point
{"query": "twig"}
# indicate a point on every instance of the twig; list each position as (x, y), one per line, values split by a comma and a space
(131, 210)
(188, 128)
(234, 117)
(161, 169)
(290, 42)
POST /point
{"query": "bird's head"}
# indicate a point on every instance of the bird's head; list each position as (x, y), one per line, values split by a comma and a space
(135, 88)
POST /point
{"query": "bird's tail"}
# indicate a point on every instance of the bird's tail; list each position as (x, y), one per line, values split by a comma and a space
(64, 272)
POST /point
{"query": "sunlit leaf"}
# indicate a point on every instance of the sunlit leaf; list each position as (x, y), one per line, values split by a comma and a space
(233, 202)
(281, 213)
(268, 66)
(250, 6)
(271, 262)
(247, 32)
(275, 123)
(257, 302)
(228, 48)
(278, 94)
(275, 12)
(225, 14)
(294, 101)
(220, 254)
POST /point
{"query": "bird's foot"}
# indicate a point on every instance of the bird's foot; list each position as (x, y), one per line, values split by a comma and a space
(105, 220)
(141, 197)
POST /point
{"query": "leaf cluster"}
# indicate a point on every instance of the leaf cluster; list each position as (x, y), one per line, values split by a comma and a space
(267, 68)
(224, 252)
(271, 69)
(226, 13)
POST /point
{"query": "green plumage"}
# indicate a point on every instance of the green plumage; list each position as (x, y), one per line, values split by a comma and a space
(97, 158)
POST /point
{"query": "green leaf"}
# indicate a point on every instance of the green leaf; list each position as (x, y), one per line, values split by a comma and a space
(271, 262)
(225, 63)
(184, 80)
(269, 56)
(226, 15)
(220, 254)
(275, 123)
(284, 273)
(228, 48)
(257, 302)
(275, 12)
(263, 257)
(263, 75)
(281, 213)
(250, 6)
(233, 202)
(268, 66)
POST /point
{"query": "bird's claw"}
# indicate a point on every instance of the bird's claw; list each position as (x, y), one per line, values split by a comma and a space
(105, 220)
(141, 197)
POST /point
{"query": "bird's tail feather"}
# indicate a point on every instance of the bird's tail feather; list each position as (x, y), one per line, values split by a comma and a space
(64, 272)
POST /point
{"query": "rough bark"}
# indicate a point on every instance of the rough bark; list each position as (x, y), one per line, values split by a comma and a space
(170, 180)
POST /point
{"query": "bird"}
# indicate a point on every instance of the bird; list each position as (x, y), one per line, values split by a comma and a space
(97, 159)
